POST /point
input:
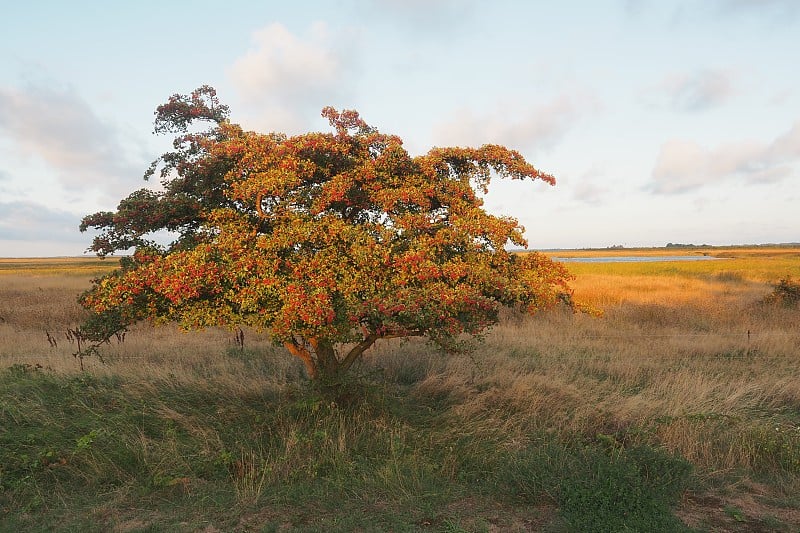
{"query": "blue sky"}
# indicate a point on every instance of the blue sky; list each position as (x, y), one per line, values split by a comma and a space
(663, 121)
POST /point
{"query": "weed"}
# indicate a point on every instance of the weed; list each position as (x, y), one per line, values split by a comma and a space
(735, 513)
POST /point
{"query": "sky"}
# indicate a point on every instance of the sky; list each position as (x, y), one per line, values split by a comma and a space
(662, 120)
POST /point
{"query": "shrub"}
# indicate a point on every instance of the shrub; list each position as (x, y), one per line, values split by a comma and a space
(603, 488)
(786, 292)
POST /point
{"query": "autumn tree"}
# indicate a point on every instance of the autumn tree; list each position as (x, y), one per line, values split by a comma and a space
(328, 241)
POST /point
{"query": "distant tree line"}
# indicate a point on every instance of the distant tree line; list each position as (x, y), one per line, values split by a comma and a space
(679, 245)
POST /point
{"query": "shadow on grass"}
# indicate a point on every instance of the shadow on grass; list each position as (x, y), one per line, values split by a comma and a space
(80, 452)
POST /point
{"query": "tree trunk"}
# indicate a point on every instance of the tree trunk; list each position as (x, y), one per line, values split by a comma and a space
(324, 361)
(327, 362)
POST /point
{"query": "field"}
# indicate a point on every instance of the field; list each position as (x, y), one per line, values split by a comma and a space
(677, 410)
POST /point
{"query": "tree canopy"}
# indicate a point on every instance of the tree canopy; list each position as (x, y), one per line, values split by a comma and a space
(328, 241)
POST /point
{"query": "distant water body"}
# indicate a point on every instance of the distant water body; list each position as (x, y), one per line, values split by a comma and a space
(634, 258)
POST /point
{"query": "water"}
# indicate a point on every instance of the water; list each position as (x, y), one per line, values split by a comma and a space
(634, 258)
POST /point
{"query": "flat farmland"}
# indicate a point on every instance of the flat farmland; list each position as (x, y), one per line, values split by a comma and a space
(679, 407)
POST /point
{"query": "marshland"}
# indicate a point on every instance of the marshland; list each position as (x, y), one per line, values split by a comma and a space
(677, 409)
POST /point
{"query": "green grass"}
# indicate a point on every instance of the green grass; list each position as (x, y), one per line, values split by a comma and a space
(732, 267)
(600, 485)
(80, 453)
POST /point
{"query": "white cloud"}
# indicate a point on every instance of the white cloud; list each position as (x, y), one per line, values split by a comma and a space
(690, 92)
(523, 128)
(58, 127)
(289, 79)
(787, 146)
(685, 165)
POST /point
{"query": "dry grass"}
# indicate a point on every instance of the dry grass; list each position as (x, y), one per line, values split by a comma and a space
(60, 266)
(685, 357)
(738, 274)
(40, 300)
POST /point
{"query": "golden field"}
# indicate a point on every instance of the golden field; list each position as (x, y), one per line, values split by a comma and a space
(687, 356)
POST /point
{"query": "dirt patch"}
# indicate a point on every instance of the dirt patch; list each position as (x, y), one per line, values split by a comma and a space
(476, 514)
(743, 512)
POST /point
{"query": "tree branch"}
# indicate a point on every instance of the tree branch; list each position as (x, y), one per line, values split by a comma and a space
(304, 355)
(353, 355)
(260, 212)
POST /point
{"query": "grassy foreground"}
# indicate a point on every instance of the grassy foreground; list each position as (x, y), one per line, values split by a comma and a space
(679, 410)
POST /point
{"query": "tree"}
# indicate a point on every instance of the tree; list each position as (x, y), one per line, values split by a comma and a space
(329, 241)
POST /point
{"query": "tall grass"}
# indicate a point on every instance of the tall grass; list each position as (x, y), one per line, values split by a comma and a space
(560, 421)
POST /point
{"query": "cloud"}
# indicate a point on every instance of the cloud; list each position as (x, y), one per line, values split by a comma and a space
(685, 165)
(519, 127)
(588, 191)
(57, 126)
(780, 98)
(289, 79)
(27, 221)
(692, 92)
